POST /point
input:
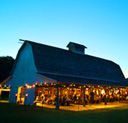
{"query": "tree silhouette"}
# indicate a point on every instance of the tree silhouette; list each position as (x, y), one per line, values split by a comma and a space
(6, 63)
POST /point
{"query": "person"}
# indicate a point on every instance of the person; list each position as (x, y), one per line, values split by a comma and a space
(91, 97)
(75, 97)
(105, 99)
(111, 98)
(43, 99)
(101, 96)
(80, 100)
(70, 97)
(68, 101)
(54, 100)
(96, 98)
(84, 100)
(64, 100)
(119, 95)
(127, 98)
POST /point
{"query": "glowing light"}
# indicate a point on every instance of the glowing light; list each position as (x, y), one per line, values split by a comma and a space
(105, 87)
(58, 83)
(26, 95)
(96, 86)
(102, 92)
(29, 86)
(33, 86)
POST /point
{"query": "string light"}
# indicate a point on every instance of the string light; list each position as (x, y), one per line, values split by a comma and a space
(58, 83)
(5, 87)
(45, 84)
(33, 86)
(41, 83)
(26, 95)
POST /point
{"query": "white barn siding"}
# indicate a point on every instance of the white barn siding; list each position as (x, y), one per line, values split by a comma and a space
(25, 69)
(24, 72)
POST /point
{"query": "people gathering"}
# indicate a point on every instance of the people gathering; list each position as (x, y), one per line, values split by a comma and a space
(76, 98)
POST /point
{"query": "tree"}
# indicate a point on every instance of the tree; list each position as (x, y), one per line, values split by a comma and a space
(6, 63)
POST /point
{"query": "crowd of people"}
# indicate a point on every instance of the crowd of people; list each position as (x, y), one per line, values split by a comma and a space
(91, 98)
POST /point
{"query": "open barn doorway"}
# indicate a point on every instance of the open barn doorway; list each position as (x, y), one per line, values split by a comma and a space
(20, 95)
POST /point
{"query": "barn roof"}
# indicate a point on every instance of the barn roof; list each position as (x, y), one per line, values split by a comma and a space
(59, 61)
(82, 80)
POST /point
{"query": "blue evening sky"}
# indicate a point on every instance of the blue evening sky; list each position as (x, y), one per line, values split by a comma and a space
(101, 25)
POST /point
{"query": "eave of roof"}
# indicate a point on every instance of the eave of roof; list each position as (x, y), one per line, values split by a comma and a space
(6, 80)
(79, 80)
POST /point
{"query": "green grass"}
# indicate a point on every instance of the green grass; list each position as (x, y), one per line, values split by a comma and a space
(15, 113)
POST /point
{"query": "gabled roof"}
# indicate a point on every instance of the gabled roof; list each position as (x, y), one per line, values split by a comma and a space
(59, 61)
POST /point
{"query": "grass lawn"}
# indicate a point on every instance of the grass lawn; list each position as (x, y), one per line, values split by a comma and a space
(13, 113)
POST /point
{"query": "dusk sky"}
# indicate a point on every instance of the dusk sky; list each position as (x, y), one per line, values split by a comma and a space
(101, 25)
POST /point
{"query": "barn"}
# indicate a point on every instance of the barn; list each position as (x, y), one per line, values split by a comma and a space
(47, 74)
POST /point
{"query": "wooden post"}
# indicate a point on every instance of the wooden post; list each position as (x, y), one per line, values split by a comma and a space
(57, 100)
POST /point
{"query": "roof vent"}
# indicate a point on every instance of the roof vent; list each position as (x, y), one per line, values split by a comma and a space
(76, 48)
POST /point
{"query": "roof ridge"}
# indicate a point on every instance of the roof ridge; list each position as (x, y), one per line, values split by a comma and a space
(70, 51)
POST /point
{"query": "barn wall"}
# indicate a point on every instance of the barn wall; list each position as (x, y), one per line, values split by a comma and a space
(24, 72)
(25, 69)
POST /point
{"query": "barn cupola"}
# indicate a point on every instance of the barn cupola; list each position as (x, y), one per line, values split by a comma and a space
(76, 48)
